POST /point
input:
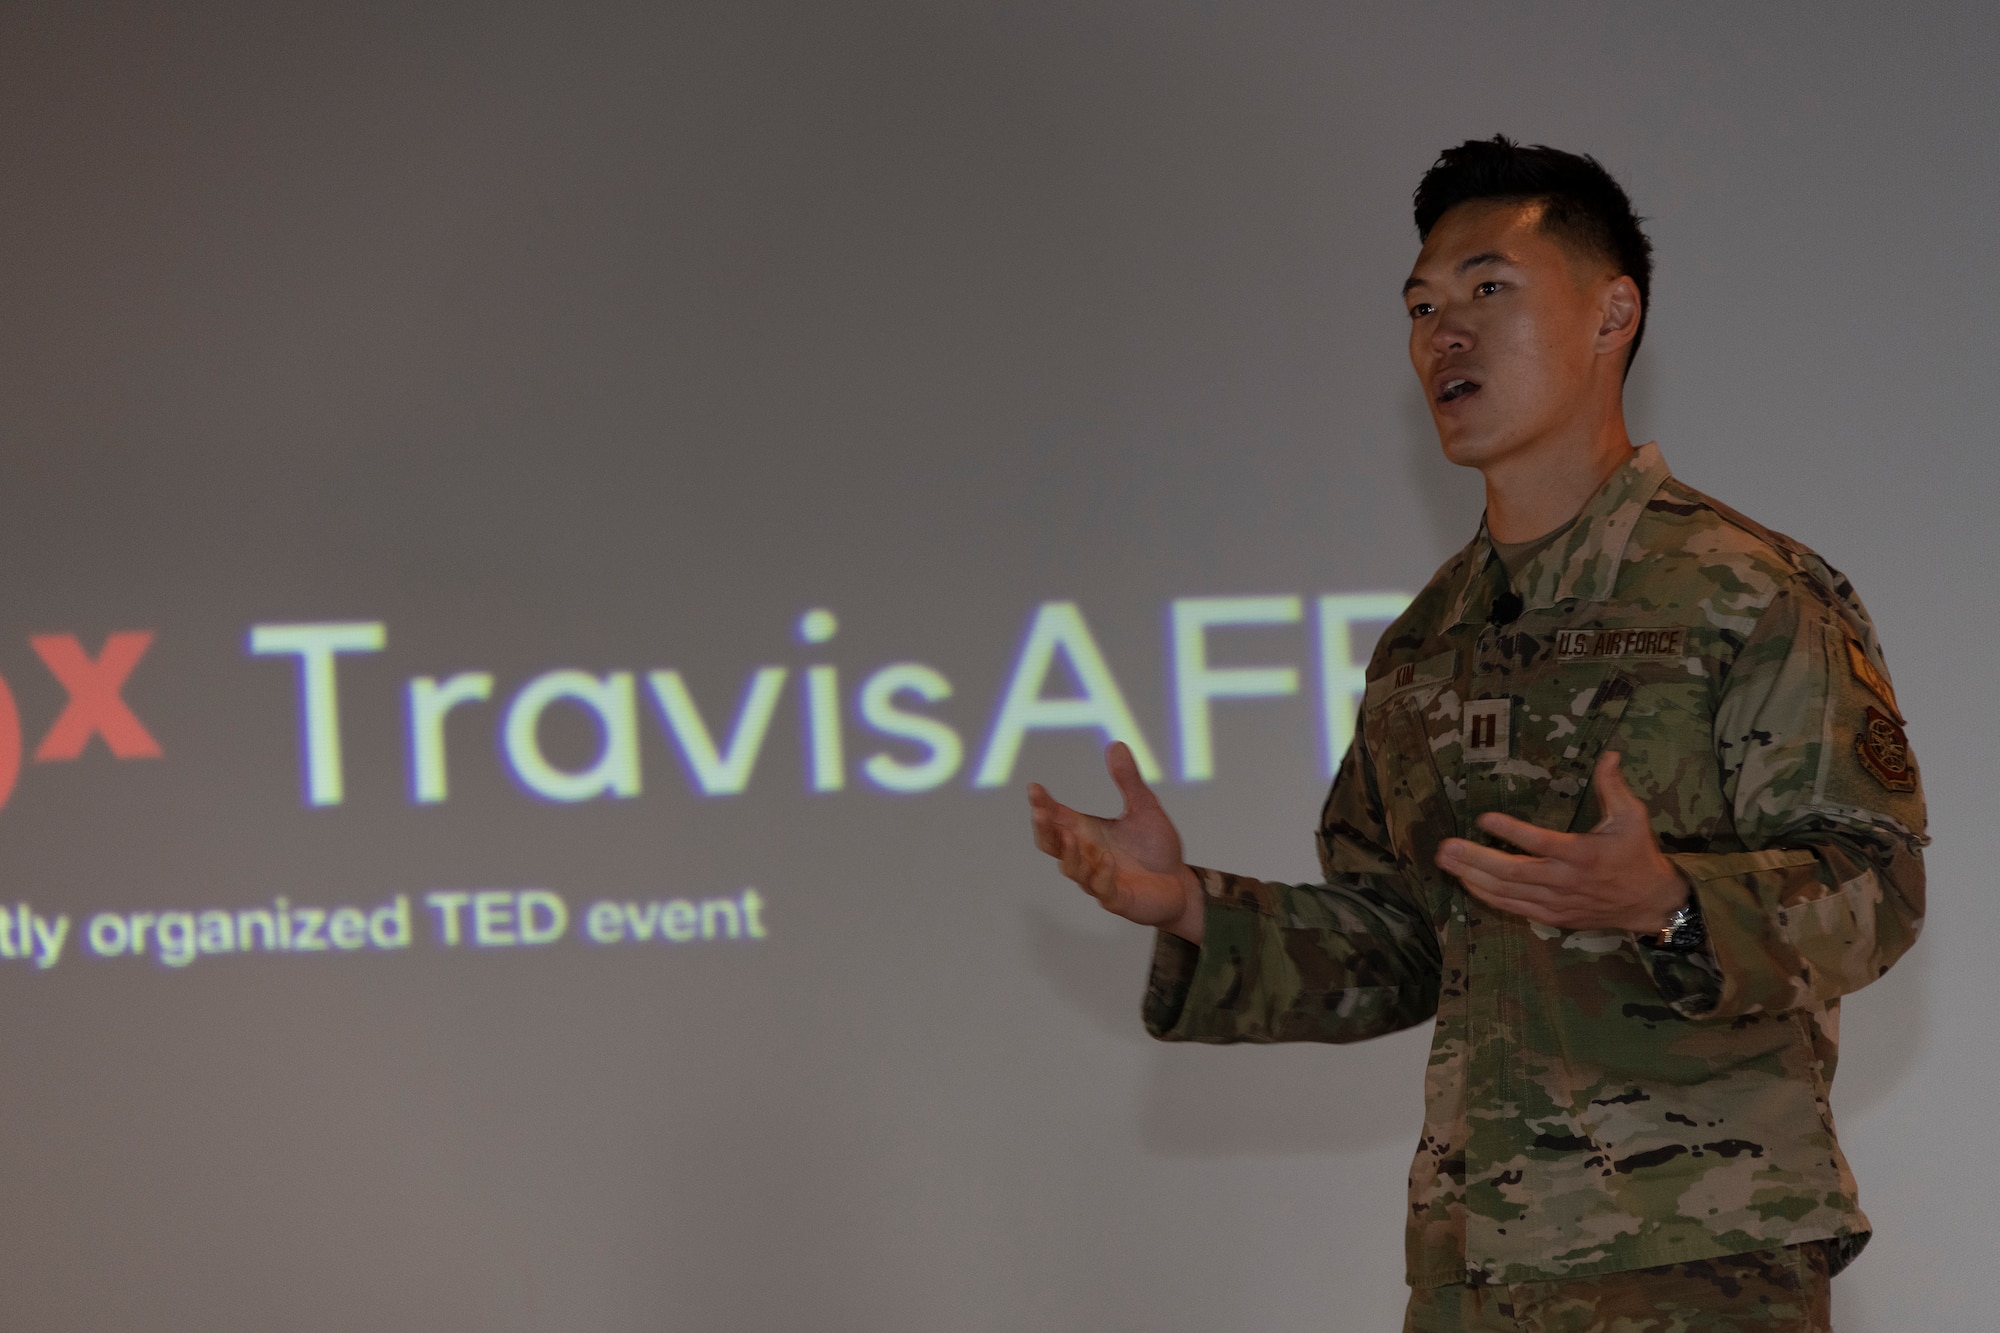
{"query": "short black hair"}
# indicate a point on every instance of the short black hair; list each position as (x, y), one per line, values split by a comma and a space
(1585, 207)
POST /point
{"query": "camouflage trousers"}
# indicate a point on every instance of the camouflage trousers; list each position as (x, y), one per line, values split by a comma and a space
(1768, 1291)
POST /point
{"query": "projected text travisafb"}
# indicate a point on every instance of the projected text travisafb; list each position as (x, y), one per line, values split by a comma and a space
(927, 750)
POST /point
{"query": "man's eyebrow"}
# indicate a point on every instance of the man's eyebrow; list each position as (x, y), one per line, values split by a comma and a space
(1465, 265)
(1471, 262)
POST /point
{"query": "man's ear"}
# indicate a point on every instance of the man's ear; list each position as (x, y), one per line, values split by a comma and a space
(1618, 314)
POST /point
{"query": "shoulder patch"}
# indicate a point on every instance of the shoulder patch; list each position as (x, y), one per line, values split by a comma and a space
(1870, 675)
(1885, 751)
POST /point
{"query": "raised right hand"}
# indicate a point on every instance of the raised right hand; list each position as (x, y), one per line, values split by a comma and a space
(1132, 864)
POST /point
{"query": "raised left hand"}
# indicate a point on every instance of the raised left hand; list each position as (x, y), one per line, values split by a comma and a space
(1611, 878)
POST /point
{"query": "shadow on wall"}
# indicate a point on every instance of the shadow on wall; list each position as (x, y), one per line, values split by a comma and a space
(1235, 1101)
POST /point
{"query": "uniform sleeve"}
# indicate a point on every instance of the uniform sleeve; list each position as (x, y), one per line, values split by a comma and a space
(1826, 797)
(1340, 961)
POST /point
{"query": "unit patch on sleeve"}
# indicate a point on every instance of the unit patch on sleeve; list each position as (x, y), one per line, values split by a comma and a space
(1488, 738)
(1576, 645)
(1885, 751)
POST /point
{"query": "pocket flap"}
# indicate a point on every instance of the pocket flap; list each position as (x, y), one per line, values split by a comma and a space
(1562, 806)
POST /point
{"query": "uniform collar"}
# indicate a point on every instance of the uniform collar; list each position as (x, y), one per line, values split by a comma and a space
(1583, 564)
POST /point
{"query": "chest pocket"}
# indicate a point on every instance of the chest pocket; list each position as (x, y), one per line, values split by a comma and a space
(1561, 803)
(1417, 807)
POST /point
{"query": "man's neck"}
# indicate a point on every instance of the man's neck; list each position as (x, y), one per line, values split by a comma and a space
(1534, 491)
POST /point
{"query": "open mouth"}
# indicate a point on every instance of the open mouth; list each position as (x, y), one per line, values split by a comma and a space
(1455, 389)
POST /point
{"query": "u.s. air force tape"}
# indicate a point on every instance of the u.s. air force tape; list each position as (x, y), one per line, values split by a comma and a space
(1575, 645)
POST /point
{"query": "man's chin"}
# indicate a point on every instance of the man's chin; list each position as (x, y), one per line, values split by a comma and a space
(1467, 449)
(1468, 446)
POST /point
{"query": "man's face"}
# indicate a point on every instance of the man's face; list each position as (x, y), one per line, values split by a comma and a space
(1505, 330)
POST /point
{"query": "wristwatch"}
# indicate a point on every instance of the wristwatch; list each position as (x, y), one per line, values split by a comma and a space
(1685, 932)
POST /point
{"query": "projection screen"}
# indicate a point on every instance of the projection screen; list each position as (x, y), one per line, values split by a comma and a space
(545, 542)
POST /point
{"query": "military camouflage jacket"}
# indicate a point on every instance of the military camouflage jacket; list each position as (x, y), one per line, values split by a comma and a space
(1595, 1103)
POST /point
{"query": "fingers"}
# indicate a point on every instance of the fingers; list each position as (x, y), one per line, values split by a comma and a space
(1534, 909)
(1073, 856)
(1460, 857)
(1528, 886)
(1091, 867)
(1124, 770)
(1599, 879)
(1547, 904)
(1051, 840)
(1528, 837)
(1059, 833)
(1613, 796)
(1610, 773)
(1047, 813)
(1046, 816)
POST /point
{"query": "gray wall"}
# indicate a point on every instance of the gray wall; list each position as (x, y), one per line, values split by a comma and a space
(614, 338)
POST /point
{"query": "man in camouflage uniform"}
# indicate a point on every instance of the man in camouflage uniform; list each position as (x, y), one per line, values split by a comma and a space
(1628, 810)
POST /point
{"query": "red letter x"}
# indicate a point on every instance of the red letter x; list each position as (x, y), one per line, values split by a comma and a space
(94, 707)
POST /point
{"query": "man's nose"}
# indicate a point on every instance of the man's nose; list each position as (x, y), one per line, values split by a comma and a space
(1450, 334)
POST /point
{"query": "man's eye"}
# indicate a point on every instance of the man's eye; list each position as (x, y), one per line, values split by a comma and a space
(1486, 288)
(1420, 309)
